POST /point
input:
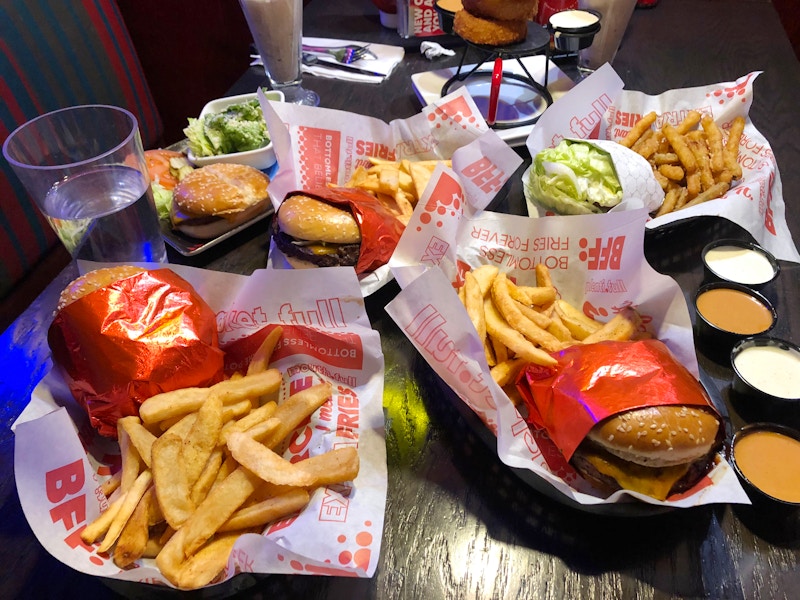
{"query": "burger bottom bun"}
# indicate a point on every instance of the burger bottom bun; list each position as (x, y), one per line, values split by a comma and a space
(210, 227)
(658, 436)
(94, 280)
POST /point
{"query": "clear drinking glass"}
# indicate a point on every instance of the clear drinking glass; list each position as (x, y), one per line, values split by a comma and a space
(277, 30)
(615, 17)
(85, 169)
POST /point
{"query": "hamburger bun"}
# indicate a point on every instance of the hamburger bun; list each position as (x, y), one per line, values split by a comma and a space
(314, 233)
(94, 280)
(217, 198)
(656, 450)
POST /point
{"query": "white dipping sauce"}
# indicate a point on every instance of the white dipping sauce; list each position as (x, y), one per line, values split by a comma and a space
(741, 265)
(573, 19)
(771, 369)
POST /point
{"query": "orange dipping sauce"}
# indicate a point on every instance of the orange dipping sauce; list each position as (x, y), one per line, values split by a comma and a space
(734, 311)
(771, 462)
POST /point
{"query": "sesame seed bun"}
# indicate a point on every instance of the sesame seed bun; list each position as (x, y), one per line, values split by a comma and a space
(307, 218)
(658, 436)
(94, 280)
(216, 198)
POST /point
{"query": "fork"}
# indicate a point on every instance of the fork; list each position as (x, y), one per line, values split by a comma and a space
(343, 54)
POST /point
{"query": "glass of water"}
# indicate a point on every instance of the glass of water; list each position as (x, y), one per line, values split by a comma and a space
(84, 167)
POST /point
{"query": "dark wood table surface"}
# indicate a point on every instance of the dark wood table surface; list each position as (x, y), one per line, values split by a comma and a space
(459, 523)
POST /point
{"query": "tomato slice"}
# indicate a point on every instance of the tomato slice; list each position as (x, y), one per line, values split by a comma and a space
(158, 166)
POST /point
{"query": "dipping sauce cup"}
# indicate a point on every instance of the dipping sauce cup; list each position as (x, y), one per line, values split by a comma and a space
(766, 458)
(727, 313)
(741, 262)
(767, 378)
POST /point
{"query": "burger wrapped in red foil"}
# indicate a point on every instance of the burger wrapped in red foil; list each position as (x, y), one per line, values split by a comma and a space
(627, 415)
(336, 226)
(129, 335)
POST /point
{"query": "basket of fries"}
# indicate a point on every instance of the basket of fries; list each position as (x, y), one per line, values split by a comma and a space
(280, 467)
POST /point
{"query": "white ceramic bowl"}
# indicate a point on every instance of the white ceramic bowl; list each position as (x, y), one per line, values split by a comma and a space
(261, 159)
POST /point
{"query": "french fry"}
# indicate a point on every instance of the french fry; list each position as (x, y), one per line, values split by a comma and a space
(543, 278)
(680, 147)
(620, 327)
(295, 409)
(169, 404)
(497, 327)
(514, 317)
(171, 481)
(129, 456)
(578, 324)
(260, 360)
(335, 466)
(265, 463)
(110, 485)
(98, 528)
(207, 477)
(201, 568)
(485, 275)
(132, 540)
(267, 510)
(253, 418)
(473, 301)
(131, 499)
(638, 129)
(201, 439)
(714, 141)
(140, 437)
(715, 191)
(505, 372)
(731, 149)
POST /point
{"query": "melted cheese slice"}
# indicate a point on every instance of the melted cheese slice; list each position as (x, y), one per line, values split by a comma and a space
(655, 482)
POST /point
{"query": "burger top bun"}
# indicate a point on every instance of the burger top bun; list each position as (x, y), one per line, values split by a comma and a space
(94, 280)
(307, 218)
(216, 198)
(220, 189)
(658, 436)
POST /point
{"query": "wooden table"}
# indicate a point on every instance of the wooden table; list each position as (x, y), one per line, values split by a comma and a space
(459, 523)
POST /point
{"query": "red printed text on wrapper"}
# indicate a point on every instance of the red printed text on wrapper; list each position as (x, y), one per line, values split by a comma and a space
(318, 153)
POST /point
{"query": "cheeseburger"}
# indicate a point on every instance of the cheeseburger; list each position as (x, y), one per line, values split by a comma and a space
(626, 415)
(657, 450)
(217, 198)
(335, 226)
(123, 334)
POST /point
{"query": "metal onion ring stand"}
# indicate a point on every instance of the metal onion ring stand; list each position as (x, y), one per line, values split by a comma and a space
(536, 42)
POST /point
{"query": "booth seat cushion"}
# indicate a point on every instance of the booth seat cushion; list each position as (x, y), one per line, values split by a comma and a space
(55, 54)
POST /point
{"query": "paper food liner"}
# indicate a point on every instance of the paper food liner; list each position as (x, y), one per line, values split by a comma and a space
(597, 264)
(321, 146)
(599, 108)
(327, 336)
(639, 186)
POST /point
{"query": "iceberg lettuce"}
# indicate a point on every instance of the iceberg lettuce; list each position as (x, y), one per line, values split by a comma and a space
(574, 178)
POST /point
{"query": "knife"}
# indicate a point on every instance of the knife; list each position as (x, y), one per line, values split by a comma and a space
(312, 61)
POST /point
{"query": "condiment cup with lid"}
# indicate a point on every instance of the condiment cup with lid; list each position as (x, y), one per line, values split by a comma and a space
(729, 312)
(738, 261)
(766, 379)
(766, 459)
(574, 30)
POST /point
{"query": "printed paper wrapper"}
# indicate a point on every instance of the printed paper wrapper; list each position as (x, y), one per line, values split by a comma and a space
(108, 345)
(596, 262)
(321, 146)
(60, 462)
(592, 382)
(599, 108)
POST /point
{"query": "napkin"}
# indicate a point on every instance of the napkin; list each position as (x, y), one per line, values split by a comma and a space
(388, 57)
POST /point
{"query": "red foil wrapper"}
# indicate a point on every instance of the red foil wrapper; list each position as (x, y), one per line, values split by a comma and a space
(595, 381)
(380, 229)
(140, 336)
